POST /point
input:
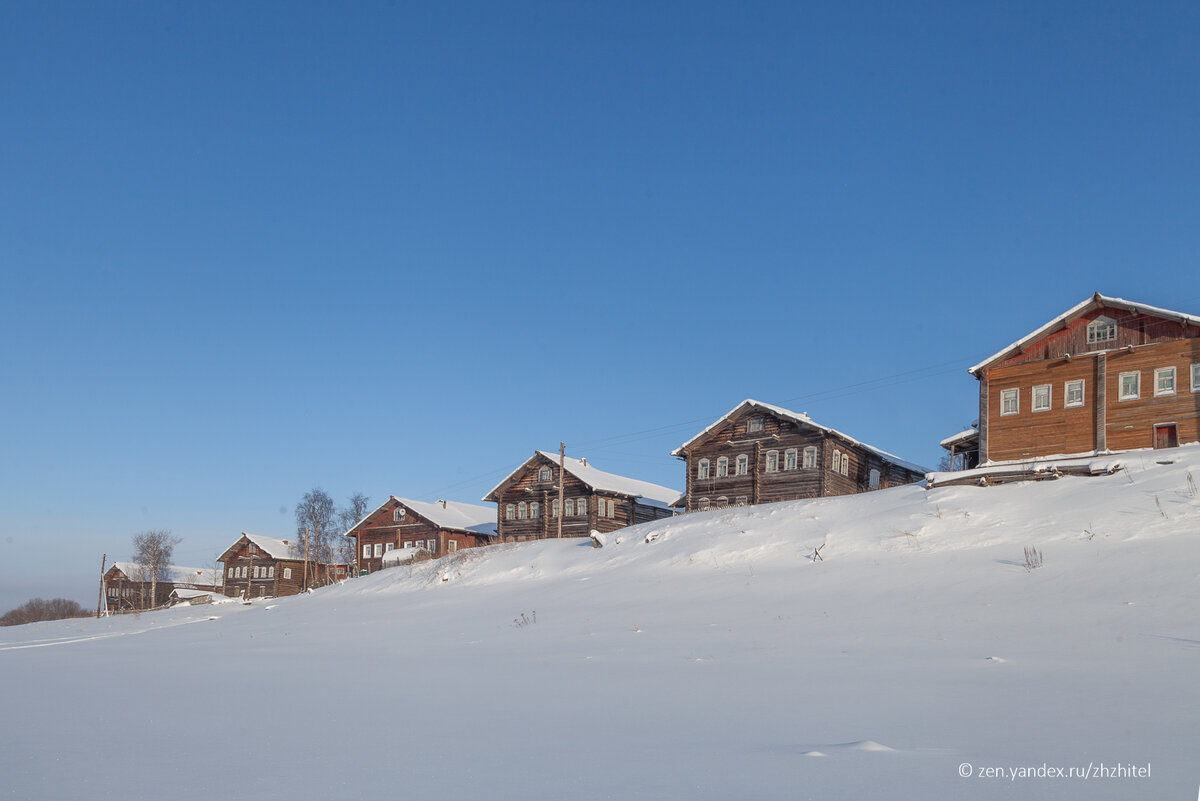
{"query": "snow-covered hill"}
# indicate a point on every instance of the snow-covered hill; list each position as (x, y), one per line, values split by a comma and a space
(704, 657)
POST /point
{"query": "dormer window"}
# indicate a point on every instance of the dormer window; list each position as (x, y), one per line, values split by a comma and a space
(545, 474)
(754, 425)
(398, 514)
(1101, 330)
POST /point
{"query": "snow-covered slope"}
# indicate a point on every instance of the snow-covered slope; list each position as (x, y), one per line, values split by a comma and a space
(718, 660)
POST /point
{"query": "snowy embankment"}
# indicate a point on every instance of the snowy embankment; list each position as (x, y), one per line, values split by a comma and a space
(719, 660)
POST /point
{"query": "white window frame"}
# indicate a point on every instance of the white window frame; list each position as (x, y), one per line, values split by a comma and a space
(569, 507)
(1196, 377)
(522, 511)
(742, 465)
(754, 425)
(837, 460)
(1159, 374)
(287, 572)
(1122, 395)
(398, 514)
(408, 546)
(702, 469)
(722, 502)
(845, 463)
(790, 459)
(612, 507)
(722, 466)
(535, 510)
(1012, 394)
(1079, 384)
(702, 505)
(451, 546)
(554, 508)
(772, 461)
(378, 549)
(545, 474)
(1102, 329)
(1049, 398)
(810, 457)
(873, 478)
(390, 546)
(581, 506)
(510, 511)
(271, 572)
(741, 500)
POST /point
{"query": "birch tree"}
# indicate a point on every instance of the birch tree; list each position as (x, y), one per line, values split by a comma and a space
(152, 551)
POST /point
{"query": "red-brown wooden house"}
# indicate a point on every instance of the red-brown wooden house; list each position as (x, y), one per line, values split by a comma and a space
(271, 567)
(432, 529)
(127, 584)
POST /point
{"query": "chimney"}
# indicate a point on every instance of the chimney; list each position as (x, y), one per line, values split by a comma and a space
(583, 460)
(443, 503)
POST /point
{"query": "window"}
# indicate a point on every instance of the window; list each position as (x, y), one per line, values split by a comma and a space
(845, 464)
(1010, 401)
(810, 457)
(535, 509)
(873, 480)
(702, 504)
(741, 500)
(522, 510)
(581, 506)
(271, 572)
(1196, 378)
(1131, 385)
(509, 512)
(391, 546)
(1102, 329)
(722, 467)
(606, 507)
(702, 469)
(452, 546)
(256, 572)
(1041, 398)
(398, 514)
(789, 459)
(743, 464)
(545, 474)
(754, 425)
(772, 461)
(837, 460)
(230, 572)
(554, 508)
(1164, 381)
(1073, 393)
(408, 544)
(379, 549)
(722, 502)
(570, 507)
(287, 572)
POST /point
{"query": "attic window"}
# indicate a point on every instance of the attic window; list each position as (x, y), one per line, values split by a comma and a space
(398, 513)
(545, 474)
(754, 425)
(1102, 329)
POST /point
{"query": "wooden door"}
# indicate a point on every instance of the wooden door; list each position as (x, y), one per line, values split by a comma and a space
(1166, 436)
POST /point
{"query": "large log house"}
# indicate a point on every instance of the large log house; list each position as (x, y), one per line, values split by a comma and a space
(436, 528)
(270, 568)
(1106, 375)
(528, 508)
(127, 584)
(759, 453)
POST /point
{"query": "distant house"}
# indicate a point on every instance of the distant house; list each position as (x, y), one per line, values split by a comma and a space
(436, 528)
(127, 584)
(1106, 375)
(963, 448)
(271, 567)
(528, 508)
(759, 453)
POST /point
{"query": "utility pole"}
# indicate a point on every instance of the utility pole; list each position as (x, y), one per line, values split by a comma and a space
(306, 536)
(100, 601)
(562, 451)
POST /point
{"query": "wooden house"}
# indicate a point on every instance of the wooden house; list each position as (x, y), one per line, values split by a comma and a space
(435, 529)
(271, 567)
(528, 500)
(759, 453)
(127, 585)
(1106, 375)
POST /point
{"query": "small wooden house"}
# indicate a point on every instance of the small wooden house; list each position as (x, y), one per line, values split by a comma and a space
(528, 500)
(127, 585)
(759, 453)
(261, 567)
(436, 528)
(1106, 375)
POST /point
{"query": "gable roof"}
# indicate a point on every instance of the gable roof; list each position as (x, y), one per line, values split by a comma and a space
(654, 494)
(803, 419)
(469, 517)
(1075, 312)
(175, 574)
(275, 549)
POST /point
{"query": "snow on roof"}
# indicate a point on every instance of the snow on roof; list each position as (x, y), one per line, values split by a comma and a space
(276, 549)
(965, 435)
(454, 514)
(803, 419)
(176, 574)
(1094, 301)
(654, 494)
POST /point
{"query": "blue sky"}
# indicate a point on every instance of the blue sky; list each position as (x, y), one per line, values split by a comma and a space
(253, 248)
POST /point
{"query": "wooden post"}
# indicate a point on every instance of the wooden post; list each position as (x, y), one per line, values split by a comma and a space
(1100, 391)
(562, 456)
(305, 581)
(100, 600)
(249, 573)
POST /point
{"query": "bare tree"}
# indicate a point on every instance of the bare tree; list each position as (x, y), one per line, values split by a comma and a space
(356, 509)
(316, 519)
(41, 609)
(152, 552)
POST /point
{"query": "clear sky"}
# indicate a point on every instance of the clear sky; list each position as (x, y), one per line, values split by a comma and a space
(248, 249)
